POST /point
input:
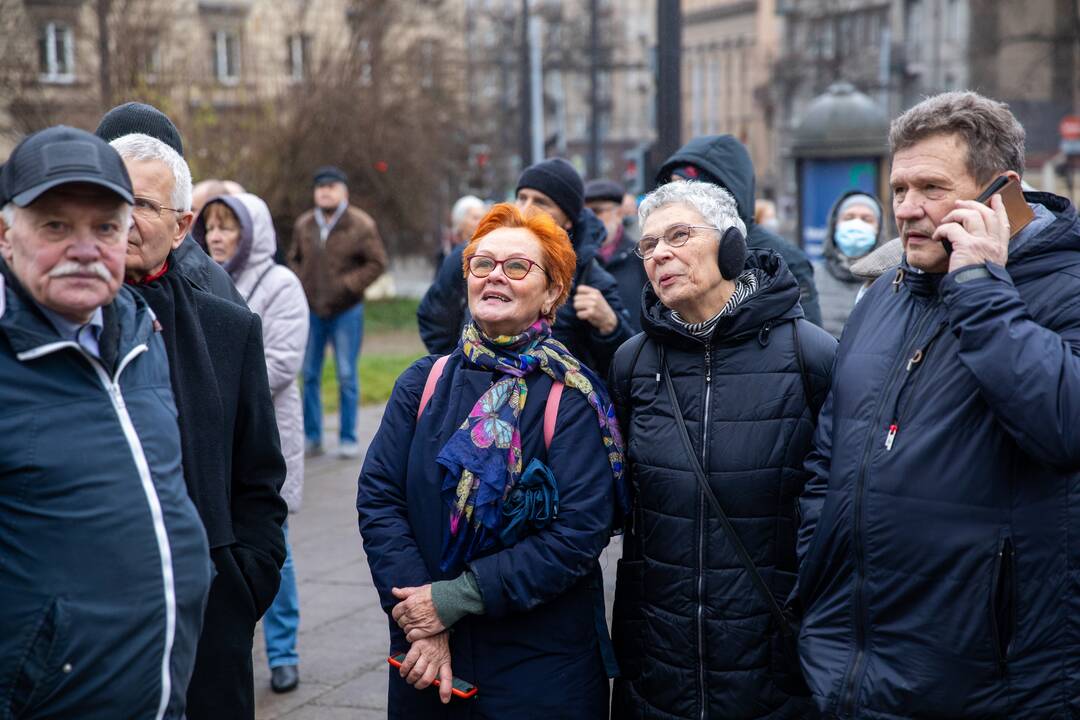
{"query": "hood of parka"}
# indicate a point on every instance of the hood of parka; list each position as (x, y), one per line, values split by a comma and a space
(776, 300)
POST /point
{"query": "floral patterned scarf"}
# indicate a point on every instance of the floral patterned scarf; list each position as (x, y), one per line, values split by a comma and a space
(483, 456)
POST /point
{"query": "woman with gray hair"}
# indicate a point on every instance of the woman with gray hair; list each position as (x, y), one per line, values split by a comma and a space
(718, 399)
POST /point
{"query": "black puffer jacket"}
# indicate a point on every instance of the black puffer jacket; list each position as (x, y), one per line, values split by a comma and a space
(694, 638)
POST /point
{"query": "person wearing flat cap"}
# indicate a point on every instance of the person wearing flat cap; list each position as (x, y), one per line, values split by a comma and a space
(616, 255)
(193, 263)
(593, 323)
(337, 253)
(105, 563)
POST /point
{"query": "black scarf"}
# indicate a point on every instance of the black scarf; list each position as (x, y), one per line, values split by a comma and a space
(198, 400)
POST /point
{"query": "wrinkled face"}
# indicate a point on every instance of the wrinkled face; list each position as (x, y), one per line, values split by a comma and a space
(610, 213)
(467, 227)
(860, 212)
(499, 305)
(67, 249)
(927, 179)
(153, 234)
(328, 195)
(686, 279)
(222, 232)
(529, 198)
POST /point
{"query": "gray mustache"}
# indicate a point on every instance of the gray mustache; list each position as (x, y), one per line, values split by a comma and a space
(70, 267)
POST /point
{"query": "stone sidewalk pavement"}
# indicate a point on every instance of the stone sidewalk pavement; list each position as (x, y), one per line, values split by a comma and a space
(343, 632)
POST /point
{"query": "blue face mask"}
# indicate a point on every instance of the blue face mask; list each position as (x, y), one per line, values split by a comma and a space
(855, 237)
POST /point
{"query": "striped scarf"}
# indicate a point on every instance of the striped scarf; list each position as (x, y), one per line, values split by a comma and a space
(745, 286)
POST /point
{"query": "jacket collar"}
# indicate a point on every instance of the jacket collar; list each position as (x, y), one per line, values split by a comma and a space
(32, 335)
(776, 300)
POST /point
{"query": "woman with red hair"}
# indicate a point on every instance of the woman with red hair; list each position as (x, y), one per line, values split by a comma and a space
(488, 494)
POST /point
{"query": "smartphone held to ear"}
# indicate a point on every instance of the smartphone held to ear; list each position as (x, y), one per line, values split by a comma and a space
(1016, 206)
(460, 689)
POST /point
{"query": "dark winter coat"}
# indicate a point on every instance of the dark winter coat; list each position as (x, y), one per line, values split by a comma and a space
(629, 273)
(837, 287)
(98, 538)
(693, 636)
(535, 653)
(938, 559)
(444, 308)
(241, 471)
(726, 159)
(205, 274)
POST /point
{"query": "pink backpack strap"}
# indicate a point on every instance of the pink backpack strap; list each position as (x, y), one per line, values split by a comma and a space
(432, 380)
(551, 412)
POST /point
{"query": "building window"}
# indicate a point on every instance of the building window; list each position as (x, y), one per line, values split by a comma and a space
(913, 30)
(364, 56)
(429, 60)
(56, 50)
(226, 48)
(299, 47)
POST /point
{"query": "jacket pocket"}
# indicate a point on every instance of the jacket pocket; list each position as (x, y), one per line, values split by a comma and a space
(42, 666)
(1003, 600)
(628, 617)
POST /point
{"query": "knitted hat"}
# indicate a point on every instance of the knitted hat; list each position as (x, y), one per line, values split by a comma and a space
(329, 174)
(860, 199)
(135, 117)
(557, 179)
(602, 189)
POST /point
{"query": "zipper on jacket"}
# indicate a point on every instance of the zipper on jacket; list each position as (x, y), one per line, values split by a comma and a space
(913, 364)
(1002, 590)
(703, 536)
(849, 689)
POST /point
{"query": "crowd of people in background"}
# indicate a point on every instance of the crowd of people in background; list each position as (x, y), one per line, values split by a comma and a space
(846, 488)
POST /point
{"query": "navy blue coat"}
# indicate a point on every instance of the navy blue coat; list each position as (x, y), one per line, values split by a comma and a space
(104, 566)
(535, 653)
(630, 278)
(938, 562)
(694, 637)
(444, 308)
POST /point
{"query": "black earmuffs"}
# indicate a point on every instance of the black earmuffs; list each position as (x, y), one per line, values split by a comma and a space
(732, 254)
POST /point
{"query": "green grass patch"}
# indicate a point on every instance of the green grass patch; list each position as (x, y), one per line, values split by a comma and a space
(378, 372)
(389, 314)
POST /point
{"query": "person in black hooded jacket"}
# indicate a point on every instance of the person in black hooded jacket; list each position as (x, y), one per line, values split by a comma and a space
(593, 324)
(723, 160)
(699, 633)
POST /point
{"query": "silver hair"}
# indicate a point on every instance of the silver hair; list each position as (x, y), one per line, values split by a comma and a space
(713, 202)
(9, 210)
(137, 146)
(463, 206)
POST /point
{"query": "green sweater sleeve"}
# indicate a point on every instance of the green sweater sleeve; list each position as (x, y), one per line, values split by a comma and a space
(454, 599)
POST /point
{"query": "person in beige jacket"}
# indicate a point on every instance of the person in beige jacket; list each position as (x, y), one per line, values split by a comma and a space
(336, 252)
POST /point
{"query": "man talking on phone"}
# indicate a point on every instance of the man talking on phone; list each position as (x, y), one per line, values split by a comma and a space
(940, 542)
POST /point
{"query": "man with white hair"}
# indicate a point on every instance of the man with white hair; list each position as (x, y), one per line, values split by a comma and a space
(231, 453)
(104, 568)
(465, 217)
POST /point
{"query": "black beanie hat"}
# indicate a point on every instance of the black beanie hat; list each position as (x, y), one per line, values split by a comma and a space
(136, 117)
(557, 179)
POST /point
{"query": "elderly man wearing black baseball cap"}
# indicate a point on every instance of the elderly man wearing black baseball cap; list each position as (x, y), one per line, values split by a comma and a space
(193, 263)
(616, 255)
(106, 565)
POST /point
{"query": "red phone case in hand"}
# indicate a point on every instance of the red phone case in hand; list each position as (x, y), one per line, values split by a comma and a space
(461, 688)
